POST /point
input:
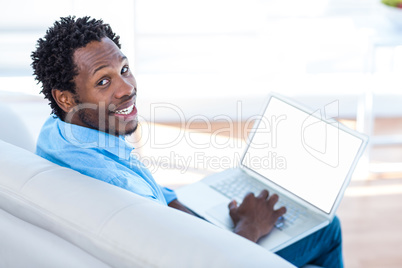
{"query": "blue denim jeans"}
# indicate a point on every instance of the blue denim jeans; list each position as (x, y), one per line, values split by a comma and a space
(322, 248)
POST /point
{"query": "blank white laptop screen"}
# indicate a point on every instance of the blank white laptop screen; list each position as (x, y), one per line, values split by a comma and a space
(299, 152)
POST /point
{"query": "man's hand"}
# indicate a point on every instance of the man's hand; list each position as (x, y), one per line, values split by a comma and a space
(255, 217)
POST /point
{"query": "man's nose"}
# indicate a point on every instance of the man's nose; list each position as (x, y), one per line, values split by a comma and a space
(124, 88)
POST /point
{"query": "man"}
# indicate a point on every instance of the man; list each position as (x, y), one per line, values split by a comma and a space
(92, 93)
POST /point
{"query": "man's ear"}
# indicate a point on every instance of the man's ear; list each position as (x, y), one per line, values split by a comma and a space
(64, 99)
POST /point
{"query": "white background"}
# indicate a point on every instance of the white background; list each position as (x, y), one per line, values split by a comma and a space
(203, 56)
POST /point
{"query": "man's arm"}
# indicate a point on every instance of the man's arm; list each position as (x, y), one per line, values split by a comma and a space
(177, 205)
(254, 218)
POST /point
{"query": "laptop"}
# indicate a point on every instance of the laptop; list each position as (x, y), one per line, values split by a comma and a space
(304, 156)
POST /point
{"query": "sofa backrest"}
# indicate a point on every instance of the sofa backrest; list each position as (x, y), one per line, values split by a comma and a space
(112, 225)
(13, 129)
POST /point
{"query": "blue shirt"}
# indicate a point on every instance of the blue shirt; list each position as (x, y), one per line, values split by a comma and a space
(99, 155)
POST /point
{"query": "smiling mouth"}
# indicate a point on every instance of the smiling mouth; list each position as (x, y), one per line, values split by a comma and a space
(127, 110)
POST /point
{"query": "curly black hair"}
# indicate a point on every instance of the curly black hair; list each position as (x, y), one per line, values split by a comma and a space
(53, 61)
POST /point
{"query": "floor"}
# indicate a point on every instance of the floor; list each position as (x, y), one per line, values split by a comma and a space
(372, 225)
(371, 211)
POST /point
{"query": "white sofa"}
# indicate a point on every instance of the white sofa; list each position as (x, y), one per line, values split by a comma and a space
(52, 216)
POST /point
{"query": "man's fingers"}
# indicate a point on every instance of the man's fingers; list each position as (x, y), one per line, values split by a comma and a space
(263, 195)
(232, 205)
(249, 196)
(280, 211)
(233, 211)
(273, 199)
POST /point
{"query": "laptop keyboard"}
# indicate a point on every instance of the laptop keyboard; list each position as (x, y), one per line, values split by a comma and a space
(237, 187)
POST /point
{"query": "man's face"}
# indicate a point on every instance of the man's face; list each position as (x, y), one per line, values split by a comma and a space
(106, 89)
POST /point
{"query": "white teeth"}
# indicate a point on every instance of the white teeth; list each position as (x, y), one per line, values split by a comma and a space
(127, 110)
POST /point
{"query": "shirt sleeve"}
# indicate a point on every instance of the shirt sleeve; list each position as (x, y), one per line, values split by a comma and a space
(169, 194)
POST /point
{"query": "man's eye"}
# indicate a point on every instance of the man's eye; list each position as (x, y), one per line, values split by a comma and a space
(124, 70)
(103, 82)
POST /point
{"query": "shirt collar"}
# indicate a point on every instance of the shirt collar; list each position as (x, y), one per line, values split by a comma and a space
(91, 138)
